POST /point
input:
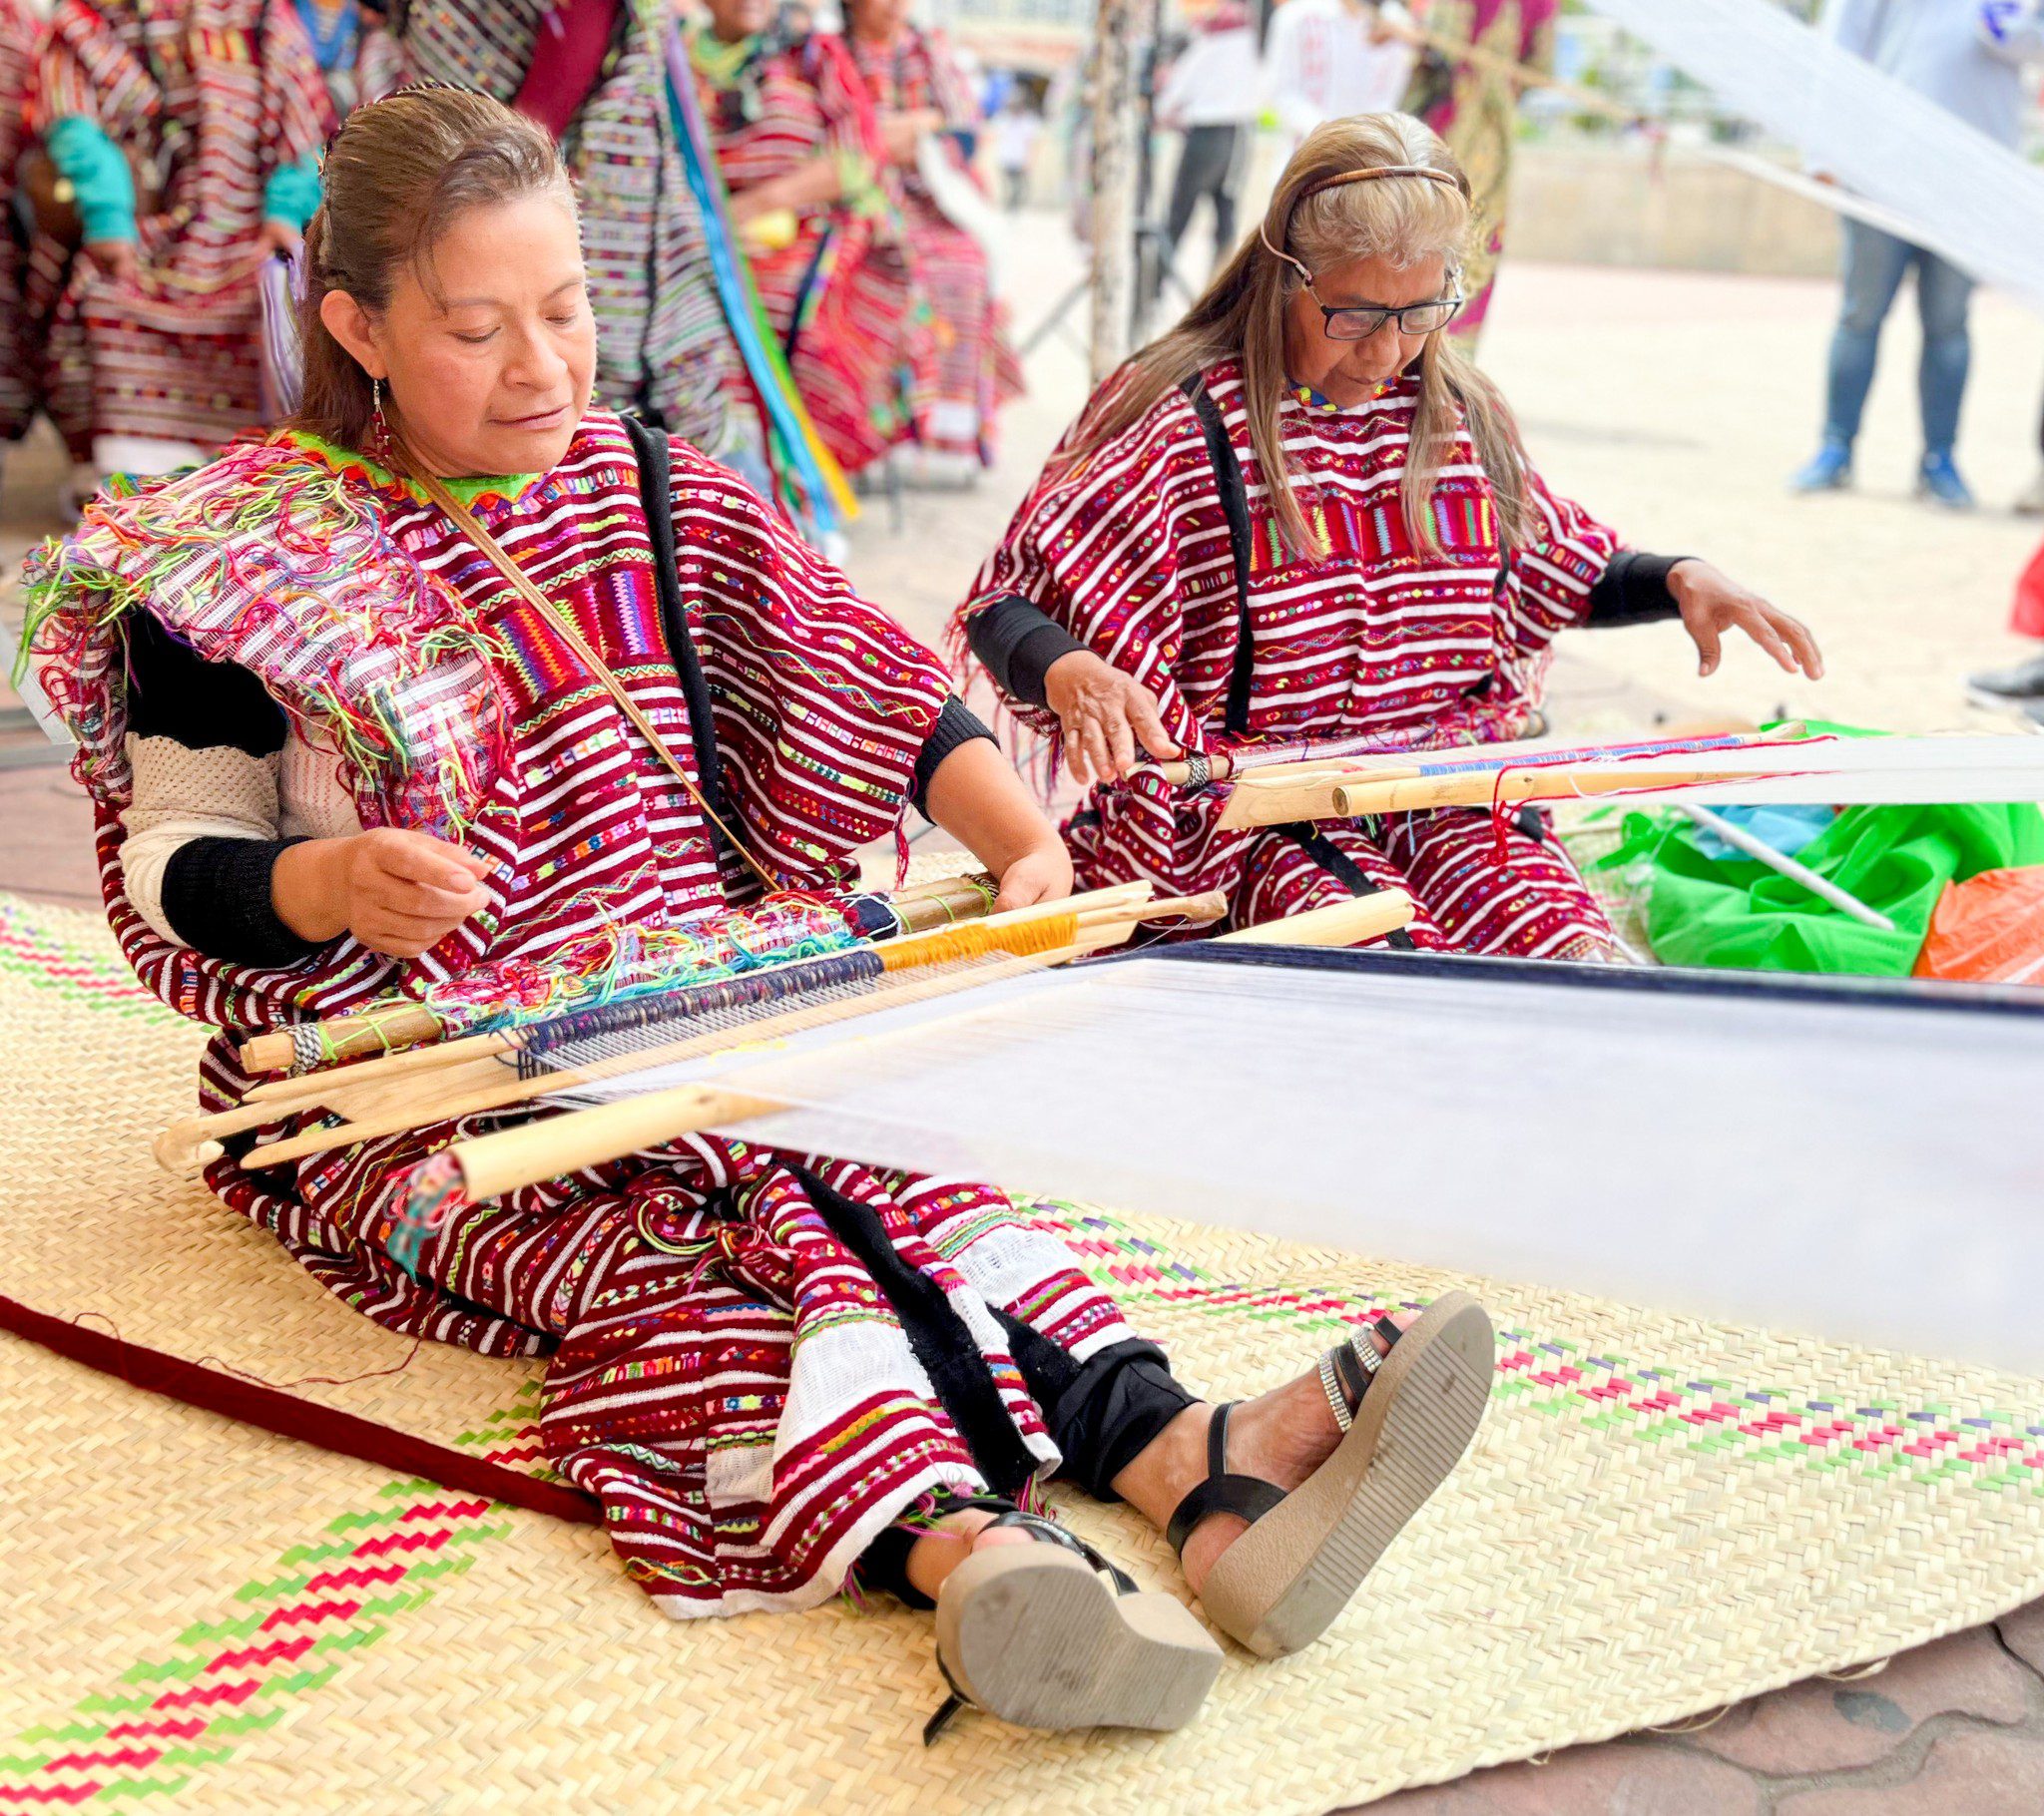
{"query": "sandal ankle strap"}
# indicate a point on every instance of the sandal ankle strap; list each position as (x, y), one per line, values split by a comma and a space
(1248, 1498)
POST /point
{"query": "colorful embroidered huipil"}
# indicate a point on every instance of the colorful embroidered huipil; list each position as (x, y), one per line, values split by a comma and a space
(21, 356)
(838, 290)
(727, 1372)
(1131, 556)
(662, 345)
(977, 370)
(207, 102)
(359, 58)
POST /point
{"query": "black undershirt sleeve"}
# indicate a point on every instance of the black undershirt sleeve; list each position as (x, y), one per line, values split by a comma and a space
(956, 725)
(1017, 641)
(1633, 589)
(216, 890)
(217, 899)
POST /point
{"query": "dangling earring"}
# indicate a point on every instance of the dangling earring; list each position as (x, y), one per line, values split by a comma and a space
(377, 400)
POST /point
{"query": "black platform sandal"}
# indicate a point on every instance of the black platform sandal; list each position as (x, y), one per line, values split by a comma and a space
(1053, 1635)
(1405, 1418)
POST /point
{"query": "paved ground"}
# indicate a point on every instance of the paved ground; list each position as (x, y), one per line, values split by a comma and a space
(1674, 405)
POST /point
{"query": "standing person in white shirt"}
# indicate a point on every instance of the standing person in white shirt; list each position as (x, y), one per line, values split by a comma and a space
(1015, 131)
(1332, 58)
(1211, 95)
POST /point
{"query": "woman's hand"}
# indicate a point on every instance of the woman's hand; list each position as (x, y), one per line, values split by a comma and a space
(115, 258)
(1712, 604)
(278, 238)
(397, 892)
(1105, 715)
(1043, 874)
(977, 797)
(901, 134)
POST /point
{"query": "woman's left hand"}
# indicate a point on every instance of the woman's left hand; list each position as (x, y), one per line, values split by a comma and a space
(1711, 602)
(1041, 874)
(280, 238)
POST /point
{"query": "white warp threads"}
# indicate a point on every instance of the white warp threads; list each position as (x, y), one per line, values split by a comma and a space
(1962, 194)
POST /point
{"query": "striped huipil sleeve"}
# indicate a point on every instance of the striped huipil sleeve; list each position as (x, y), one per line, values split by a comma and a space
(1555, 570)
(1097, 548)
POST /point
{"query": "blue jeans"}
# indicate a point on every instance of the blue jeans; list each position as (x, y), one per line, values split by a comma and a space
(1875, 265)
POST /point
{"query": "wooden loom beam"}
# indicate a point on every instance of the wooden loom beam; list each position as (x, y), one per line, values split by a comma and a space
(508, 1159)
(379, 1098)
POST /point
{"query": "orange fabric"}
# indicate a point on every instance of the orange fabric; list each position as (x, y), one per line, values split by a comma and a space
(1988, 930)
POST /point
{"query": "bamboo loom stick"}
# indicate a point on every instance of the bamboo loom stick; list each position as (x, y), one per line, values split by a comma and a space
(1280, 794)
(1304, 794)
(1514, 787)
(527, 1152)
(378, 1033)
(1368, 917)
(480, 1085)
(194, 1142)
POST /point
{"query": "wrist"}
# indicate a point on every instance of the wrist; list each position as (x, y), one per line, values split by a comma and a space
(1067, 671)
(309, 888)
(1683, 577)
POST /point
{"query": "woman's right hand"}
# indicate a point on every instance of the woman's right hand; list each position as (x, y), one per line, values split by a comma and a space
(115, 258)
(1105, 715)
(397, 892)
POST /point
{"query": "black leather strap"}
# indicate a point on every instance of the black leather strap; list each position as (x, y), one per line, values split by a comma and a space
(656, 498)
(1343, 869)
(1048, 1532)
(1248, 1498)
(1356, 1379)
(1234, 503)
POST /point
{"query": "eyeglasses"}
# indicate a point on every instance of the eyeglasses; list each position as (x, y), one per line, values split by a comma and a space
(1414, 318)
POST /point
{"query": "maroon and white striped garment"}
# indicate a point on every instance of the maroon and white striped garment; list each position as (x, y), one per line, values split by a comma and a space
(841, 294)
(209, 98)
(977, 370)
(725, 1374)
(1130, 553)
(21, 378)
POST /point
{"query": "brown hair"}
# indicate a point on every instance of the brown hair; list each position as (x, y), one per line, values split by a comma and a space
(395, 178)
(1323, 221)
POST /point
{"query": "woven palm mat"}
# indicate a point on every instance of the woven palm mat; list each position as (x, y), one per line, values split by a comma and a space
(1659, 1516)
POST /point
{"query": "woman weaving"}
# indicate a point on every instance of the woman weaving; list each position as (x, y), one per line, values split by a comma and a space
(359, 713)
(1302, 516)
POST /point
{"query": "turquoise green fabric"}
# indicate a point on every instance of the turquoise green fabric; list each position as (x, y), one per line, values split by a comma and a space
(98, 176)
(1736, 913)
(292, 193)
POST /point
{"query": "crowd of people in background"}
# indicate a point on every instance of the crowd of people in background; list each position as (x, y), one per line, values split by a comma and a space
(765, 204)
(818, 172)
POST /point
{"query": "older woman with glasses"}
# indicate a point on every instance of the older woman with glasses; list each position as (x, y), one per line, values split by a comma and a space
(1302, 516)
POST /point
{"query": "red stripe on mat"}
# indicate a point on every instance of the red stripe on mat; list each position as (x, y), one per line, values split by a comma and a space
(290, 1417)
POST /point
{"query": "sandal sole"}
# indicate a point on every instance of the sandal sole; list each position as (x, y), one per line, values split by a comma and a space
(1283, 1583)
(1034, 1636)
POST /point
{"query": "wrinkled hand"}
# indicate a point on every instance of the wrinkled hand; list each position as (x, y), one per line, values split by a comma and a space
(1105, 715)
(1041, 874)
(899, 135)
(1712, 604)
(280, 238)
(115, 258)
(401, 893)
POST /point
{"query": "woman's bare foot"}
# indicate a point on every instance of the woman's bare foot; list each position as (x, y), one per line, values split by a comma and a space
(952, 1539)
(1281, 1435)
